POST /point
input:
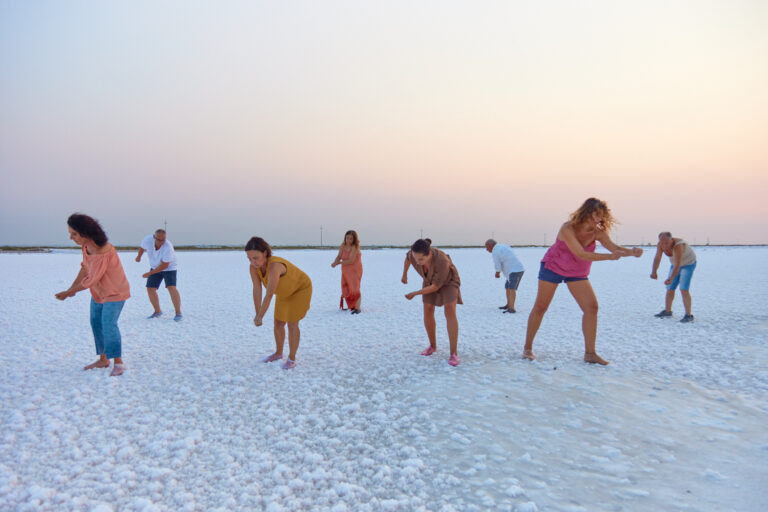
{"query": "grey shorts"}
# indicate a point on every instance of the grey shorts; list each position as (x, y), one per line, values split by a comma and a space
(513, 281)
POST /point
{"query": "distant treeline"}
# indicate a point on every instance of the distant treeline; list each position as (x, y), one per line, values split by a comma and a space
(49, 248)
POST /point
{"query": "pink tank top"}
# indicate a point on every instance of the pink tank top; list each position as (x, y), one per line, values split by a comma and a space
(561, 260)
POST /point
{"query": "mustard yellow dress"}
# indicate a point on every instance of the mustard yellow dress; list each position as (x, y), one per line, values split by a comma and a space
(293, 294)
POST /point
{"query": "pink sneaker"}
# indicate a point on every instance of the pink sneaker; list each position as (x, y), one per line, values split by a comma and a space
(273, 357)
(428, 351)
(288, 364)
(454, 360)
(117, 370)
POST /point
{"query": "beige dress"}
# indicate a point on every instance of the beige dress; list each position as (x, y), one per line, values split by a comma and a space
(443, 274)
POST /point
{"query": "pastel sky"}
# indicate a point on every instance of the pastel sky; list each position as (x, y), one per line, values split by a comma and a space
(464, 119)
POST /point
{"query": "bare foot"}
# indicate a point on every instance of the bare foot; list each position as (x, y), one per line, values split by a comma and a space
(98, 364)
(592, 357)
(528, 354)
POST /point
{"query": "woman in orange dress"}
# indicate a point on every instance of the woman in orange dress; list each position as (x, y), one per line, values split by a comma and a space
(351, 271)
(102, 273)
(292, 289)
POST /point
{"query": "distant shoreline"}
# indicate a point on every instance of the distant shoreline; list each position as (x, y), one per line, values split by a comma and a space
(189, 248)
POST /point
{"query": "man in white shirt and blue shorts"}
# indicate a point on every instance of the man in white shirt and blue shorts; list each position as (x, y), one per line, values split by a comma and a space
(162, 264)
(505, 261)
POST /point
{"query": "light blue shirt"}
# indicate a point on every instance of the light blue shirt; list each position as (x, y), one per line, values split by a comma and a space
(505, 261)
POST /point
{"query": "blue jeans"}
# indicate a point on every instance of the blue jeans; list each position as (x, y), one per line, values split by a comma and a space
(106, 335)
(683, 277)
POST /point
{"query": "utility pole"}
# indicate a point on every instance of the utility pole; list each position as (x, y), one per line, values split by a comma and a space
(165, 225)
(421, 233)
(321, 236)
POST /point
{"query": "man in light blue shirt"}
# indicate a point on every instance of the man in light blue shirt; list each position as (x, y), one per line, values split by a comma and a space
(505, 261)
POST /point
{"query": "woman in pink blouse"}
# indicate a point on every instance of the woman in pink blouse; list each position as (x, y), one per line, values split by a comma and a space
(102, 273)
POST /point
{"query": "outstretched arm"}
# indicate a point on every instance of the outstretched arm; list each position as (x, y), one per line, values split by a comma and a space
(568, 235)
(77, 286)
(157, 269)
(677, 258)
(656, 262)
(406, 266)
(273, 278)
(141, 252)
(609, 244)
(424, 291)
(337, 261)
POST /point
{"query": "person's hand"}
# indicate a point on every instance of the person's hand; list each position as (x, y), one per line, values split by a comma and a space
(257, 321)
(138, 258)
(669, 280)
(637, 252)
(498, 275)
(65, 294)
(654, 276)
(404, 279)
(411, 295)
(333, 265)
(145, 275)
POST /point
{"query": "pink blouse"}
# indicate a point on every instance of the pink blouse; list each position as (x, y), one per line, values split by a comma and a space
(105, 277)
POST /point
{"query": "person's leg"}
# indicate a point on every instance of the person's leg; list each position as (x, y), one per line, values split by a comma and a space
(668, 300)
(175, 298)
(452, 322)
(510, 299)
(686, 274)
(430, 324)
(585, 297)
(154, 299)
(294, 334)
(112, 338)
(540, 306)
(279, 337)
(98, 337)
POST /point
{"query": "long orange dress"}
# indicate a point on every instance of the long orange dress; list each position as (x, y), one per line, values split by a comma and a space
(351, 275)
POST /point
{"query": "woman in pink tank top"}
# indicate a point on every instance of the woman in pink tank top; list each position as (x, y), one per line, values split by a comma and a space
(569, 261)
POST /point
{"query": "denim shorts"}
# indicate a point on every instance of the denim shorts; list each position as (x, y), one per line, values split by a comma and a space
(154, 280)
(683, 277)
(513, 281)
(553, 277)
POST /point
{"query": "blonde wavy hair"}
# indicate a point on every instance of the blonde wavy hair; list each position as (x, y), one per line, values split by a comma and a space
(591, 206)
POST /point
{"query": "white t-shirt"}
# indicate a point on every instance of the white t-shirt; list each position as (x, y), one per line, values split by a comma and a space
(165, 254)
(505, 260)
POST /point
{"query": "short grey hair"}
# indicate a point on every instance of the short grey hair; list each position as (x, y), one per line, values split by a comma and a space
(665, 234)
(490, 242)
(160, 232)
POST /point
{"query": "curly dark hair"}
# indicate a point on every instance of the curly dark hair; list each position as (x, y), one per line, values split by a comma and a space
(88, 227)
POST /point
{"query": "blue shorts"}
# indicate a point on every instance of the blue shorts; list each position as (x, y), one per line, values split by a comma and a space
(553, 277)
(683, 277)
(154, 280)
(513, 281)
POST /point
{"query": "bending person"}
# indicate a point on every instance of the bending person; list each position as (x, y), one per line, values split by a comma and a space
(683, 263)
(440, 288)
(162, 266)
(569, 261)
(292, 289)
(504, 260)
(350, 259)
(102, 272)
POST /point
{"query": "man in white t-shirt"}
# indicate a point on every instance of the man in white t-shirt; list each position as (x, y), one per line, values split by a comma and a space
(162, 264)
(504, 260)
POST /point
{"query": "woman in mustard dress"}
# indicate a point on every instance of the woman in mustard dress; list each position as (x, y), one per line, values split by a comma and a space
(351, 271)
(292, 289)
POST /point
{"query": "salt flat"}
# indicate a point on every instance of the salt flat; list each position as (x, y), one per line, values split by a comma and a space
(197, 422)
